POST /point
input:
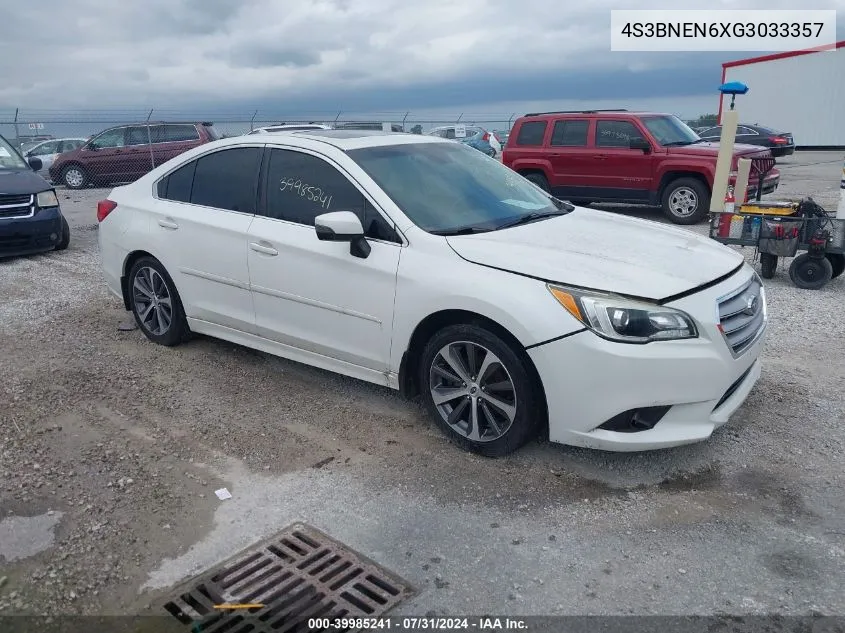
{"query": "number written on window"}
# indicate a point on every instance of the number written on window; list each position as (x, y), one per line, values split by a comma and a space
(304, 190)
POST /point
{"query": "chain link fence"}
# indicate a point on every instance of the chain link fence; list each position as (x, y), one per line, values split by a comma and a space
(80, 148)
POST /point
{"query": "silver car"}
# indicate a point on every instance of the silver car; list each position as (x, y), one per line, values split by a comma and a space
(47, 151)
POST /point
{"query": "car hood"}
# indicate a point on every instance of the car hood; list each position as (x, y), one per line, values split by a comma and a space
(603, 251)
(21, 181)
(712, 149)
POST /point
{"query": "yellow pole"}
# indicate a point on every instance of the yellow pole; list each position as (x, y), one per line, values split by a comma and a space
(730, 120)
(741, 188)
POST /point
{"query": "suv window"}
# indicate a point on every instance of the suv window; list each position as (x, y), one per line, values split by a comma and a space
(227, 179)
(111, 138)
(138, 135)
(616, 133)
(175, 133)
(531, 133)
(745, 131)
(178, 184)
(300, 187)
(570, 133)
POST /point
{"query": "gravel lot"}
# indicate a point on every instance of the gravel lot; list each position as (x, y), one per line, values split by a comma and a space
(112, 448)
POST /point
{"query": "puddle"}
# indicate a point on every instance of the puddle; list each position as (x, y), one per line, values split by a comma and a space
(22, 537)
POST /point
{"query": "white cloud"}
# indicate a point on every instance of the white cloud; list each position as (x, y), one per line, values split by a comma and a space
(90, 53)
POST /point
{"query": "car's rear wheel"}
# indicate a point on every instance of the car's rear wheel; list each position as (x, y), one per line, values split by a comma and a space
(155, 303)
(686, 201)
(539, 180)
(64, 241)
(479, 390)
(75, 177)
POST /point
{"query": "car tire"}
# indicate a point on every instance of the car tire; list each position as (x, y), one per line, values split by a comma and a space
(474, 419)
(810, 273)
(155, 303)
(539, 180)
(64, 241)
(686, 201)
(768, 265)
(75, 177)
(837, 263)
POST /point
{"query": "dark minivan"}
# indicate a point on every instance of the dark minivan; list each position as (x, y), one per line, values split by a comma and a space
(30, 218)
(127, 152)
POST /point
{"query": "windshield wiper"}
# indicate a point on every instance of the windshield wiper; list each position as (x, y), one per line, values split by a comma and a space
(678, 143)
(462, 230)
(534, 216)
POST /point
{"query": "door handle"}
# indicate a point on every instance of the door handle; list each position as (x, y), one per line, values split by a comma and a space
(600, 157)
(265, 250)
(168, 224)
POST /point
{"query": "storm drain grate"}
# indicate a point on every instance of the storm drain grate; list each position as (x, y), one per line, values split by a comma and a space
(297, 575)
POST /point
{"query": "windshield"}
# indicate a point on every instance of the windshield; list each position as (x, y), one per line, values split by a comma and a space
(670, 130)
(451, 187)
(9, 158)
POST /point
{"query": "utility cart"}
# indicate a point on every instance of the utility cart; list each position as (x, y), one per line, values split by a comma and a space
(782, 229)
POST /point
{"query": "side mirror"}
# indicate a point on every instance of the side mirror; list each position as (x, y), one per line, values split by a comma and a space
(640, 143)
(343, 226)
(35, 163)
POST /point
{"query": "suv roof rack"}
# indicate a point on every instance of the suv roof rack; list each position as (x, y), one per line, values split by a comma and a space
(574, 112)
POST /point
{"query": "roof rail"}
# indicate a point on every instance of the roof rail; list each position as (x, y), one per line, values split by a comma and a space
(574, 112)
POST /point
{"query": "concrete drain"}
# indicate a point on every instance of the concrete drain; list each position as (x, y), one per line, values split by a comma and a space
(281, 584)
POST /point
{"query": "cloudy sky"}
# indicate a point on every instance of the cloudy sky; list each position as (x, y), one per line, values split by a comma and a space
(324, 56)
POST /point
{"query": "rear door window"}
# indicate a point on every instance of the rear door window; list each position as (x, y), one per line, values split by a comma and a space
(531, 133)
(179, 133)
(138, 135)
(178, 185)
(571, 133)
(227, 179)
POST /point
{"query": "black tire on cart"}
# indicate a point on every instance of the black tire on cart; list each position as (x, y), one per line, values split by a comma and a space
(768, 264)
(837, 261)
(810, 273)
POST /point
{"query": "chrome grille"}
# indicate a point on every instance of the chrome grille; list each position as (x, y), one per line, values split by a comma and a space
(742, 315)
(16, 206)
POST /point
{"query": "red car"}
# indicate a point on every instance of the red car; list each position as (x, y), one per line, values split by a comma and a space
(127, 152)
(625, 157)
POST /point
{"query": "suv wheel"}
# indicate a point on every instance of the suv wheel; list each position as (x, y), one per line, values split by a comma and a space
(74, 177)
(479, 390)
(539, 180)
(686, 201)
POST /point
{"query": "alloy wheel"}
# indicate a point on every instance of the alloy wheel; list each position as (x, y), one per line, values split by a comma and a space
(473, 391)
(74, 177)
(683, 202)
(152, 300)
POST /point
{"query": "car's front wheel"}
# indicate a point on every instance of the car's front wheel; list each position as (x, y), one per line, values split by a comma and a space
(64, 240)
(686, 201)
(479, 390)
(74, 177)
(156, 304)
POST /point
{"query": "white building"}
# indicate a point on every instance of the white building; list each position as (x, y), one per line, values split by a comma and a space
(802, 92)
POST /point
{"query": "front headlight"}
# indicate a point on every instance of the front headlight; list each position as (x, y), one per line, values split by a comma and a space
(624, 320)
(46, 199)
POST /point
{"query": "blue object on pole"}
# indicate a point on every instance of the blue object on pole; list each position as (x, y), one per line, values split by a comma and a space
(733, 88)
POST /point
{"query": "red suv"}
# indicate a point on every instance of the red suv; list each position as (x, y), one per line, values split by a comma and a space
(127, 152)
(627, 157)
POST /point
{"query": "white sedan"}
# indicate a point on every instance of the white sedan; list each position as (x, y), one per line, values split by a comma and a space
(419, 264)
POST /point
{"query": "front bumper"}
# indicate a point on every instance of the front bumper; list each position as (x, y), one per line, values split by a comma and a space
(36, 234)
(589, 380)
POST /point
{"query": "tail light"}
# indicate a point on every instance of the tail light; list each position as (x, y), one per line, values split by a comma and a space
(104, 207)
(777, 139)
(486, 136)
